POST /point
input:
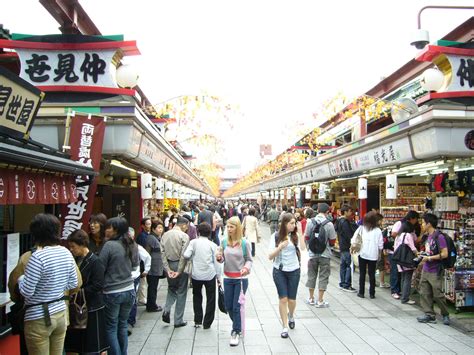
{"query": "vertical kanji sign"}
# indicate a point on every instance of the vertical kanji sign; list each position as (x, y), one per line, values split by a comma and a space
(86, 139)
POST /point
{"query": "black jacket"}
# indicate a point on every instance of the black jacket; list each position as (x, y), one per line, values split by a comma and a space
(92, 271)
(345, 231)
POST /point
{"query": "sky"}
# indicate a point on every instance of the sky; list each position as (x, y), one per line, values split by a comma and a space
(278, 60)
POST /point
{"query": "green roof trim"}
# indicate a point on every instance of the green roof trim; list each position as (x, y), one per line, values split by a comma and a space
(22, 36)
(393, 129)
(446, 43)
(83, 109)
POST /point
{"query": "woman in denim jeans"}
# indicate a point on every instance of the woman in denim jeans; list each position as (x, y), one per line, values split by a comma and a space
(236, 254)
(286, 269)
(119, 256)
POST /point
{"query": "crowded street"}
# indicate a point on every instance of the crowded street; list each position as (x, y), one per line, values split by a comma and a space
(349, 325)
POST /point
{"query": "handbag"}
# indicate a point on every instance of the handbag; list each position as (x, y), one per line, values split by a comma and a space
(220, 299)
(78, 311)
(356, 242)
(403, 255)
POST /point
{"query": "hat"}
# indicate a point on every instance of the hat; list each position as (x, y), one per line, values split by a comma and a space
(323, 207)
(182, 220)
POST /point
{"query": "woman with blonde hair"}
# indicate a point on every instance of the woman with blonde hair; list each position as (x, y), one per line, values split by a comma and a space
(236, 254)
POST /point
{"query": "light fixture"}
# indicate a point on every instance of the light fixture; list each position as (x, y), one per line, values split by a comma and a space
(432, 79)
(109, 177)
(126, 76)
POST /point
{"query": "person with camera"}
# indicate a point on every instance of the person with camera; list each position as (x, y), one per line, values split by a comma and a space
(286, 258)
(436, 249)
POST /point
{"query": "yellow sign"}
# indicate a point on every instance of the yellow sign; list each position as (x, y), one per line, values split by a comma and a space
(169, 203)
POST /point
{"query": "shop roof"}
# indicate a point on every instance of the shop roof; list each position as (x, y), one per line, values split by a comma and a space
(28, 153)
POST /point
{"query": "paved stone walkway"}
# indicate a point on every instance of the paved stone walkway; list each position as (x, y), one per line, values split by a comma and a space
(349, 325)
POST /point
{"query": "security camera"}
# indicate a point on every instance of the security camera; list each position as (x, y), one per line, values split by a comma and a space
(421, 39)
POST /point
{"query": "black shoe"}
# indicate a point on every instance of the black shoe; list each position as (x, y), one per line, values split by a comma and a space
(206, 327)
(165, 317)
(360, 295)
(426, 319)
(129, 332)
(372, 297)
(291, 322)
(181, 325)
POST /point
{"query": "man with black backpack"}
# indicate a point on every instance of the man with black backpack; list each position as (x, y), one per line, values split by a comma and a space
(321, 235)
(345, 229)
(436, 250)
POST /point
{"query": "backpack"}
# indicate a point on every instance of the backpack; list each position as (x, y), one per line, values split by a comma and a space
(318, 240)
(452, 252)
(404, 256)
(244, 246)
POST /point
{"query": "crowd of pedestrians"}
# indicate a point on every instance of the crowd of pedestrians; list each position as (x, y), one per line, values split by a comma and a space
(202, 247)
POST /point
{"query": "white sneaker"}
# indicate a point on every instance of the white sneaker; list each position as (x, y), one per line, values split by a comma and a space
(234, 339)
(310, 301)
(322, 304)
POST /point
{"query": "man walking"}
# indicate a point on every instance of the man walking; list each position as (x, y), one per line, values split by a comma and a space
(432, 275)
(319, 263)
(205, 215)
(272, 218)
(345, 230)
(173, 244)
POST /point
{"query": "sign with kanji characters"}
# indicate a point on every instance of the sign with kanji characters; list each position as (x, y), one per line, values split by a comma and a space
(81, 68)
(384, 155)
(19, 103)
(86, 139)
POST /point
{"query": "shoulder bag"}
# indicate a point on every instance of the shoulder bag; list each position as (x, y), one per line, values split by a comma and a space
(78, 311)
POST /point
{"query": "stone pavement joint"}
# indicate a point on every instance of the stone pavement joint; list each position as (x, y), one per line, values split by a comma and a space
(349, 326)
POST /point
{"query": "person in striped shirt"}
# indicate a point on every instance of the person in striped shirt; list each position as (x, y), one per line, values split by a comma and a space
(51, 270)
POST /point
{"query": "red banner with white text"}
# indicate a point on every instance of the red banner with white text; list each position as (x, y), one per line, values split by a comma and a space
(86, 139)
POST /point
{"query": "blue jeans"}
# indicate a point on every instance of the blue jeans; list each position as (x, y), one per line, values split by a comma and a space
(394, 276)
(346, 272)
(117, 311)
(286, 283)
(132, 319)
(232, 305)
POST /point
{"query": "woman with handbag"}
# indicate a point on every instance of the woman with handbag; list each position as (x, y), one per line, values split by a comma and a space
(406, 236)
(153, 247)
(368, 238)
(286, 258)
(86, 330)
(202, 252)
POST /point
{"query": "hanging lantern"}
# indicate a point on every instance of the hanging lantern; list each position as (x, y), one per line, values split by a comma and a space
(168, 189)
(432, 79)
(362, 189)
(322, 191)
(176, 190)
(307, 192)
(391, 187)
(298, 192)
(289, 193)
(146, 182)
(159, 189)
(282, 195)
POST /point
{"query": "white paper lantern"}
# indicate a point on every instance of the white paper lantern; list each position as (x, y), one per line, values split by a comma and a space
(282, 194)
(168, 189)
(362, 187)
(322, 191)
(126, 76)
(391, 188)
(432, 79)
(307, 192)
(298, 192)
(146, 182)
(159, 189)
(289, 193)
(176, 191)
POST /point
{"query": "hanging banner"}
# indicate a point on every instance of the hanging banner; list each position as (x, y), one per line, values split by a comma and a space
(307, 192)
(176, 191)
(159, 189)
(146, 186)
(391, 187)
(322, 191)
(85, 141)
(168, 189)
(362, 188)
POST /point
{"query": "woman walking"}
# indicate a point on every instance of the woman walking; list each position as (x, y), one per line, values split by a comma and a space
(406, 236)
(286, 269)
(92, 339)
(372, 245)
(251, 229)
(236, 255)
(153, 247)
(119, 256)
(202, 251)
